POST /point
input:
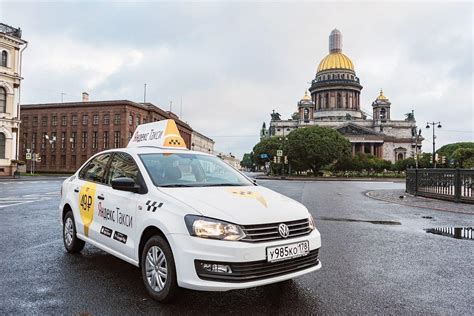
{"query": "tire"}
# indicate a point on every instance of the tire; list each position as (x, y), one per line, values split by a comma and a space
(71, 242)
(160, 280)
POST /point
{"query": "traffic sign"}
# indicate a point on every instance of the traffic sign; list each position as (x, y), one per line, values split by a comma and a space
(279, 152)
(28, 156)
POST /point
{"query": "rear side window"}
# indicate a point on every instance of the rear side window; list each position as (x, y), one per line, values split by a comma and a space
(122, 165)
(94, 171)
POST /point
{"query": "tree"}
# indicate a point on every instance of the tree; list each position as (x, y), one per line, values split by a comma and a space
(267, 146)
(449, 149)
(247, 161)
(311, 148)
(463, 155)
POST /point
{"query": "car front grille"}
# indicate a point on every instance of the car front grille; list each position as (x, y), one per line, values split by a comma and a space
(257, 270)
(269, 232)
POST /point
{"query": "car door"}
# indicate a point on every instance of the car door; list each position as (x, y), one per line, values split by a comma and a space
(88, 188)
(118, 208)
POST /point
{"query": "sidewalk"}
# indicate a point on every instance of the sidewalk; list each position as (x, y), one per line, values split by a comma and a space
(402, 198)
(296, 178)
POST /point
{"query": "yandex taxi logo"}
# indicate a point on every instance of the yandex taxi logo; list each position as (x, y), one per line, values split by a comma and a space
(86, 205)
(249, 194)
(159, 134)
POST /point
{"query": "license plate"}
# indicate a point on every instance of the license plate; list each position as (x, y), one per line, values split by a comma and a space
(285, 252)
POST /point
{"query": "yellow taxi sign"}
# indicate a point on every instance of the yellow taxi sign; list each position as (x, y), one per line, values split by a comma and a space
(158, 134)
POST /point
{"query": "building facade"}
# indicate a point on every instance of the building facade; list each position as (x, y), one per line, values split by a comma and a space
(65, 135)
(334, 102)
(231, 160)
(202, 143)
(10, 79)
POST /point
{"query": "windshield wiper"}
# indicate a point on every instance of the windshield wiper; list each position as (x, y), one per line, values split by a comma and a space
(224, 185)
(176, 186)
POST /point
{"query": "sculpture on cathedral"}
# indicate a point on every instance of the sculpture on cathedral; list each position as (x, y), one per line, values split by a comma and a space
(295, 116)
(275, 116)
(348, 117)
(306, 115)
(410, 116)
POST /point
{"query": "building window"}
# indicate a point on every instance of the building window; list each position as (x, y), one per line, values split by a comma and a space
(35, 121)
(63, 140)
(130, 119)
(73, 160)
(117, 118)
(54, 120)
(84, 140)
(106, 140)
(4, 58)
(64, 120)
(3, 100)
(53, 138)
(53, 160)
(43, 140)
(106, 119)
(94, 140)
(137, 121)
(95, 119)
(25, 140)
(2, 146)
(74, 140)
(339, 101)
(130, 134)
(74, 120)
(326, 100)
(44, 121)
(63, 160)
(24, 121)
(117, 140)
(85, 119)
(33, 141)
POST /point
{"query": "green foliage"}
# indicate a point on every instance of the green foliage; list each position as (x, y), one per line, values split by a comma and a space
(310, 148)
(362, 162)
(267, 146)
(468, 163)
(425, 160)
(449, 149)
(404, 164)
(461, 155)
(247, 161)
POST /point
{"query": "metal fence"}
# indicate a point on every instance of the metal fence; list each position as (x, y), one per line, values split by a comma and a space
(446, 184)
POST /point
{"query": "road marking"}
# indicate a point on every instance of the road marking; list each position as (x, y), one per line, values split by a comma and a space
(24, 199)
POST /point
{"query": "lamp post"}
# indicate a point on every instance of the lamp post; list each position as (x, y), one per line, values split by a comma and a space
(434, 137)
(417, 138)
(283, 139)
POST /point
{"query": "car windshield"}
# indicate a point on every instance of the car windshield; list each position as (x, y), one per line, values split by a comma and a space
(191, 170)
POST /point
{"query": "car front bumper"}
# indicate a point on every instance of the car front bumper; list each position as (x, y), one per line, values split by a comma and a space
(190, 251)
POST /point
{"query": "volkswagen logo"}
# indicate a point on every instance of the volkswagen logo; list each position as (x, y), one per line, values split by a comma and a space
(283, 230)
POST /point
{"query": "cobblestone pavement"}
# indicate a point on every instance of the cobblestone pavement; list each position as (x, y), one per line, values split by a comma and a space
(401, 197)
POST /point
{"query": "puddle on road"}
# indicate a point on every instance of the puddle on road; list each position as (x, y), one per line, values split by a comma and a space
(453, 232)
(359, 221)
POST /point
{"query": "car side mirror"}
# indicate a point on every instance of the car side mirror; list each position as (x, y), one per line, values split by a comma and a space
(254, 181)
(125, 184)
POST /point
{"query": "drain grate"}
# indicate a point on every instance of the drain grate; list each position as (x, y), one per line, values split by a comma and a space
(454, 232)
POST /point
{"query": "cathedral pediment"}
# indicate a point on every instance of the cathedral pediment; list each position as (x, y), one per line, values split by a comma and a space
(352, 129)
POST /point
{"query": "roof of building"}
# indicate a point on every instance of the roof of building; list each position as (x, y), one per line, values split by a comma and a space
(335, 61)
(381, 96)
(10, 30)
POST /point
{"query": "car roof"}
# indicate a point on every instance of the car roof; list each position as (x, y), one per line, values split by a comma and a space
(155, 150)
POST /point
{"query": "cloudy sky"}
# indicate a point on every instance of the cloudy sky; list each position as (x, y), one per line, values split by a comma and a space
(232, 63)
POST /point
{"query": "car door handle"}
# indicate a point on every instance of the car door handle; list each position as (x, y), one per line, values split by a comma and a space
(100, 197)
(76, 190)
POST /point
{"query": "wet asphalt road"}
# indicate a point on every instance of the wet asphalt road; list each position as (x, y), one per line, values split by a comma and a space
(367, 268)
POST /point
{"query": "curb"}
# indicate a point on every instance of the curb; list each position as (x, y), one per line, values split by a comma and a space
(367, 193)
(394, 180)
(32, 179)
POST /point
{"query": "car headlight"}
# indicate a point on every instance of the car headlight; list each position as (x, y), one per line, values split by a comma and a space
(311, 222)
(212, 228)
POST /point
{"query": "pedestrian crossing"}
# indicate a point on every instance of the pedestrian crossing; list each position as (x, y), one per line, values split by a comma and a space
(26, 198)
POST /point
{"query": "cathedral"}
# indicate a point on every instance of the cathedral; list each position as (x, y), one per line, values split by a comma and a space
(334, 101)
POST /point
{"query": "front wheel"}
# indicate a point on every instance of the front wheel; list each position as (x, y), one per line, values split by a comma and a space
(158, 269)
(71, 242)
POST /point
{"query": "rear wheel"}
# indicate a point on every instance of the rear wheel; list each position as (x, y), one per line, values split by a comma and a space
(158, 269)
(71, 242)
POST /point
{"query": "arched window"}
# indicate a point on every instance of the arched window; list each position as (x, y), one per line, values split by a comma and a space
(347, 100)
(319, 101)
(339, 100)
(326, 97)
(3, 100)
(4, 58)
(2, 146)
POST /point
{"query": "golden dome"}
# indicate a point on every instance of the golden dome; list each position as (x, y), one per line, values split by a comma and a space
(306, 97)
(381, 96)
(335, 60)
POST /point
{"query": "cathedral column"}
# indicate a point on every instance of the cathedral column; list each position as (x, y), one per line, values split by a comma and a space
(353, 149)
(372, 149)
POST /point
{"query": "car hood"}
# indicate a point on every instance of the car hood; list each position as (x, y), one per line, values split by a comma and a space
(240, 204)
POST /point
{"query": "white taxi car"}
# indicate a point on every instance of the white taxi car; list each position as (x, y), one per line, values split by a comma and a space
(186, 218)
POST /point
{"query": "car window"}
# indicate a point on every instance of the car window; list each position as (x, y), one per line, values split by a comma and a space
(122, 165)
(191, 170)
(95, 170)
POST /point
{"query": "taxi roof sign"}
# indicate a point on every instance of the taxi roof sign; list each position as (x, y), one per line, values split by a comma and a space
(157, 134)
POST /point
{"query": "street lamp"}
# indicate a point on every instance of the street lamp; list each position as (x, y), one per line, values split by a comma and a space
(434, 137)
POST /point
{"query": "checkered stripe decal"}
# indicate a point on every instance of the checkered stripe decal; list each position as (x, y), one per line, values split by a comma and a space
(152, 205)
(174, 142)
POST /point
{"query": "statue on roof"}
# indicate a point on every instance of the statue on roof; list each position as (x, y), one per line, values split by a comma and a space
(275, 116)
(410, 116)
